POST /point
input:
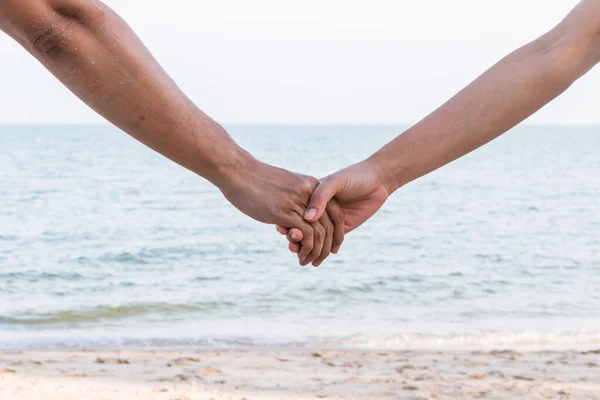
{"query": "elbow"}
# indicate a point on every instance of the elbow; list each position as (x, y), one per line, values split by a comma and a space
(562, 58)
(573, 47)
(50, 28)
(50, 40)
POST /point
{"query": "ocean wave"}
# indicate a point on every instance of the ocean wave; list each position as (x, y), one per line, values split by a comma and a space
(37, 276)
(8, 238)
(103, 313)
(132, 343)
(124, 258)
(474, 340)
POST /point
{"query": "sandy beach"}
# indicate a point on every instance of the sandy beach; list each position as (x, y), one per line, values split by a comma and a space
(270, 375)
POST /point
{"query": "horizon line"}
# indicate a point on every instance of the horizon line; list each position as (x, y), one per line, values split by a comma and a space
(287, 124)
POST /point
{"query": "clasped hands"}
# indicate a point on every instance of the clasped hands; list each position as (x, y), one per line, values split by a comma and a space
(313, 214)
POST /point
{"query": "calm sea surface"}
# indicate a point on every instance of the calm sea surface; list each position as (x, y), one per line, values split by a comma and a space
(104, 244)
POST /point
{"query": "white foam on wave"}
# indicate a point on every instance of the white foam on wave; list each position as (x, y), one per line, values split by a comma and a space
(525, 341)
(477, 341)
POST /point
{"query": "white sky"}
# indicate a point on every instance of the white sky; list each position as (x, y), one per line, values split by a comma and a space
(314, 61)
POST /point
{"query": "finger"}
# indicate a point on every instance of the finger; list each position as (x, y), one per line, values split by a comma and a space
(318, 242)
(294, 248)
(328, 242)
(308, 241)
(282, 230)
(319, 200)
(336, 214)
(295, 235)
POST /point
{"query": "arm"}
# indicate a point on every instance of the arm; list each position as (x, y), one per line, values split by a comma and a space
(512, 90)
(99, 58)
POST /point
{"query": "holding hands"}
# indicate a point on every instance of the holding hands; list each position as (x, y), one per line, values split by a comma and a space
(99, 58)
(359, 190)
(279, 197)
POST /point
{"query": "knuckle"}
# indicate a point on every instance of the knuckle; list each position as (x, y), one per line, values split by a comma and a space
(336, 214)
(308, 187)
(328, 224)
(320, 232)
(329, 229)
(339, 214)
(317, 198)
(313, 181)
(284, 205)
(306, 250)
(309, 235)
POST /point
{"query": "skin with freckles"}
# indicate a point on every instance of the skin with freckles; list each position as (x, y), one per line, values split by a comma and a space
(100, 59)
(506, 94)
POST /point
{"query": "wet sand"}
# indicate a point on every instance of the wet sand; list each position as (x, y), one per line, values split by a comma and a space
(283, 375)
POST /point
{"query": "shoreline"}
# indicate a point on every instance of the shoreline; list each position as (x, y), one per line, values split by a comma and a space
(298, 374)
(81, 339)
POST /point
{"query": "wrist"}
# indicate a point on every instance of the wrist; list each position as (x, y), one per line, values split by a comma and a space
(391, 171)
(219, 159)
(231, 170)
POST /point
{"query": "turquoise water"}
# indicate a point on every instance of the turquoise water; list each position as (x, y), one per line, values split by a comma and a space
(104, 244)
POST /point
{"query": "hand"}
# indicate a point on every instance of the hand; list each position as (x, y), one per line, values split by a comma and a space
(358, 189)
(279, 197)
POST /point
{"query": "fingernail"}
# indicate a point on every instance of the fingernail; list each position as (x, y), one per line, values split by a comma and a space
(311, 213)
(295, 236)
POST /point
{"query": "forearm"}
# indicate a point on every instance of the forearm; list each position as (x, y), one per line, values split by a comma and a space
(501, 98)
(96, 55)
(100, 59)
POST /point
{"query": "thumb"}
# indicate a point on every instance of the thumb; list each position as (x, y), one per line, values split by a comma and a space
(319, 200)
(295, 235)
